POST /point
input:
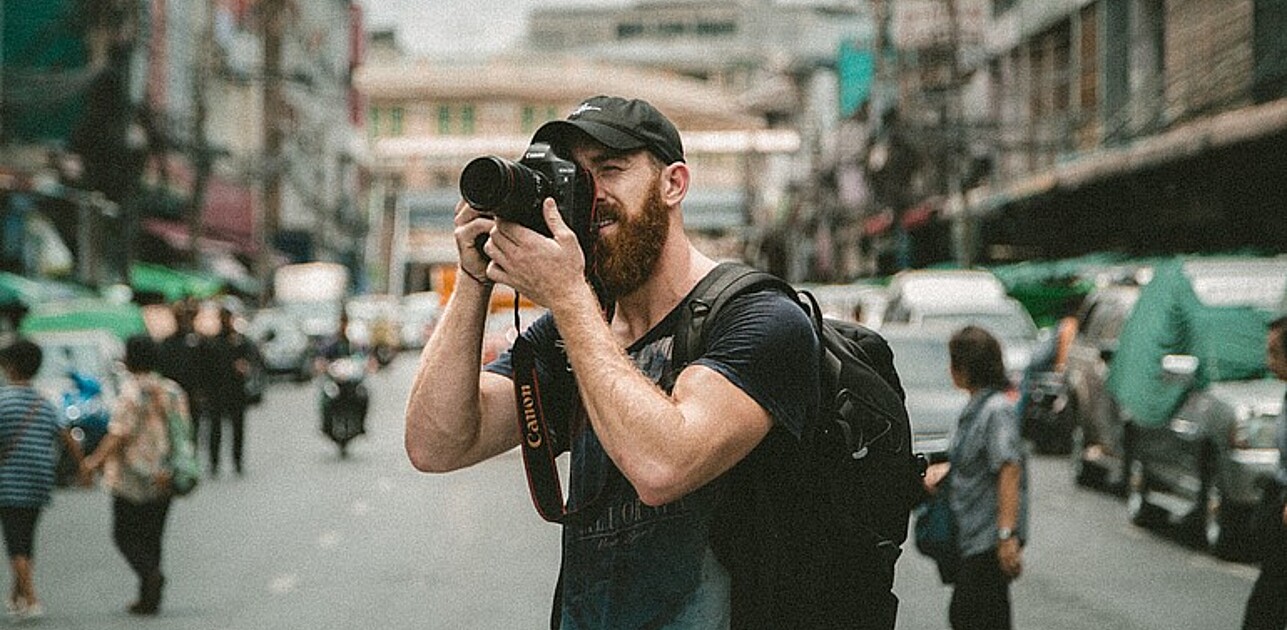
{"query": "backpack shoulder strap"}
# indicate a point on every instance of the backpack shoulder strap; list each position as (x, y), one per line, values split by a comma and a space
(700, 307)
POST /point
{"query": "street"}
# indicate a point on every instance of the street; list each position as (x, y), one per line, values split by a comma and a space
(307, 540)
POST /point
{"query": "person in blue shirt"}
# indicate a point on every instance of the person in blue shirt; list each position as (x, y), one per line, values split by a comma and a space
(1267, 605)
(29, 427)
(986, 476)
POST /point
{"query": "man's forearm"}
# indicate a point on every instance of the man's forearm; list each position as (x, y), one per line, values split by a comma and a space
(443, 412)
(636, 422)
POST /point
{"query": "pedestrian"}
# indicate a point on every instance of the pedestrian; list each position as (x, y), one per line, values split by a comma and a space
(1267, 605)
(230, 355)
(29, 426)
(132, 457)
(649, 450)
(185, 359)
(986, 476)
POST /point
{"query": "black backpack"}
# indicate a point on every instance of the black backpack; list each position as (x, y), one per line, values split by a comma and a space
(810, 529)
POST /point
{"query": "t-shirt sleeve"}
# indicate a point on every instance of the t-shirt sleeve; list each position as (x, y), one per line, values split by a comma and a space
(764, 344)
(557, 386)
(1005, 442)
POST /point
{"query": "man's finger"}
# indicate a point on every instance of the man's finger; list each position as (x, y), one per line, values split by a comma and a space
(553, 219)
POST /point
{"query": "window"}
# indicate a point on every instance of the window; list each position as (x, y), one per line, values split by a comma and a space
(444, 120)
(373, 122)
(467, 119)
(672, 29)
(715, 29)
(627, 31)
(395, 121)
(529, 119)
(1269, 46)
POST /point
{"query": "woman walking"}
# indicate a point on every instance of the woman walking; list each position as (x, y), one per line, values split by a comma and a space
(132, 457)
(987, 485)
(28, 428)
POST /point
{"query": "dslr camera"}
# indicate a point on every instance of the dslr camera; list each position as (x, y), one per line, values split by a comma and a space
(515, 191)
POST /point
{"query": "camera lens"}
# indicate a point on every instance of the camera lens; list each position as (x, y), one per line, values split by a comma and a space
(499, 186)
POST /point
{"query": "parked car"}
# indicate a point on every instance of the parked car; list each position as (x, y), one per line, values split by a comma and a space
(916, 290)
(933, 402)
(79, 375)
(419, 316)
(1097, 440)
(1202, 460)
(854, 302)
(283, 346)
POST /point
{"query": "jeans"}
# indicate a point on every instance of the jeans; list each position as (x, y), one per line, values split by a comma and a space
(981, 599)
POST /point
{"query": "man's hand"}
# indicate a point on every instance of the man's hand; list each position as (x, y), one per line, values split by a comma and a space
(469, 226)
(549, 271)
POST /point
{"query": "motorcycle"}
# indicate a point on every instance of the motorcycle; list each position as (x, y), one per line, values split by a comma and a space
(86, 415)
(344, 401)
(1042, 413)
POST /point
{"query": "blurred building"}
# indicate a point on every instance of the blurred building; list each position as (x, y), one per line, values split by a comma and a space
(426, 120)
(1133, 125)
(216, 134)
(802, 65)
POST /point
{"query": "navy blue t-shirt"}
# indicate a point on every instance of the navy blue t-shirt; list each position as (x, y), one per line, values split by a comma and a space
(629, 565)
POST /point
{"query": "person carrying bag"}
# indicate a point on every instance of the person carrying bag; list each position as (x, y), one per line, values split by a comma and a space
(146, 459)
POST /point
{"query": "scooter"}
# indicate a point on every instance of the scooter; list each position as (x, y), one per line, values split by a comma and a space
(86, 413)
(344, 401)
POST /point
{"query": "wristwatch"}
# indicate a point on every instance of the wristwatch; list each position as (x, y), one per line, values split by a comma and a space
(1004, 533)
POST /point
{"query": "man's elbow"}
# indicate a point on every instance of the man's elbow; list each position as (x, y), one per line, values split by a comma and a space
(424, 458)
(660, 486)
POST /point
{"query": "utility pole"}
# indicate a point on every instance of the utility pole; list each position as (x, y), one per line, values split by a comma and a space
(274, 24)
(202, 160)
(954, 123)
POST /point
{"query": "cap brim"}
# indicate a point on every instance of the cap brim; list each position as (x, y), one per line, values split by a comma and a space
(556, 132)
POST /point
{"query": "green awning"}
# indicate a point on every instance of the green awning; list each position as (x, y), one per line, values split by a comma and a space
(172, 284)
(122, 320)
(16, 289)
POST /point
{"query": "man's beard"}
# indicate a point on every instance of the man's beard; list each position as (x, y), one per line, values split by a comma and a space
(626, 259)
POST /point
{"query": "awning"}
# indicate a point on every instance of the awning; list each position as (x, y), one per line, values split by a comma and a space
(122, 320)
(16, 289)
(172, 284)
(920, 215)
(175, 235)
(1185, 142)
(878, 224)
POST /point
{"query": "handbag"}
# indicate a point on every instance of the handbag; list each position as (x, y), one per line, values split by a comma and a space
(181, 462)
(935, 534)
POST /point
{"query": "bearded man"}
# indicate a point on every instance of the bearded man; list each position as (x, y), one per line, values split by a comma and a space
(649, 449)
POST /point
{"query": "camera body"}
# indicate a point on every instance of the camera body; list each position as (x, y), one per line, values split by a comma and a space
(515, 191)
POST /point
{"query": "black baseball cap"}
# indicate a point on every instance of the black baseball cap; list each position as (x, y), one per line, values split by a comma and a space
(620, 124)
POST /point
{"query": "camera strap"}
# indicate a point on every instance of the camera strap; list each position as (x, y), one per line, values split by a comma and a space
(540, 445)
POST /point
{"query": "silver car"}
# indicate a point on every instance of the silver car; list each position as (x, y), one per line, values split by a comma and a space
(1204, 466)
(933, 402)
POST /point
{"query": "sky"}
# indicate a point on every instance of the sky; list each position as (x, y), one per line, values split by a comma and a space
(461, 27)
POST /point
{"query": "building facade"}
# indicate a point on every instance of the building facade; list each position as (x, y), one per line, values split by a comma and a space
(426, 120)
(1134, 125)
(161, 108)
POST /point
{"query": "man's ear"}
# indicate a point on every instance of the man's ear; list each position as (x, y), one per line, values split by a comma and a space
(674, 183)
